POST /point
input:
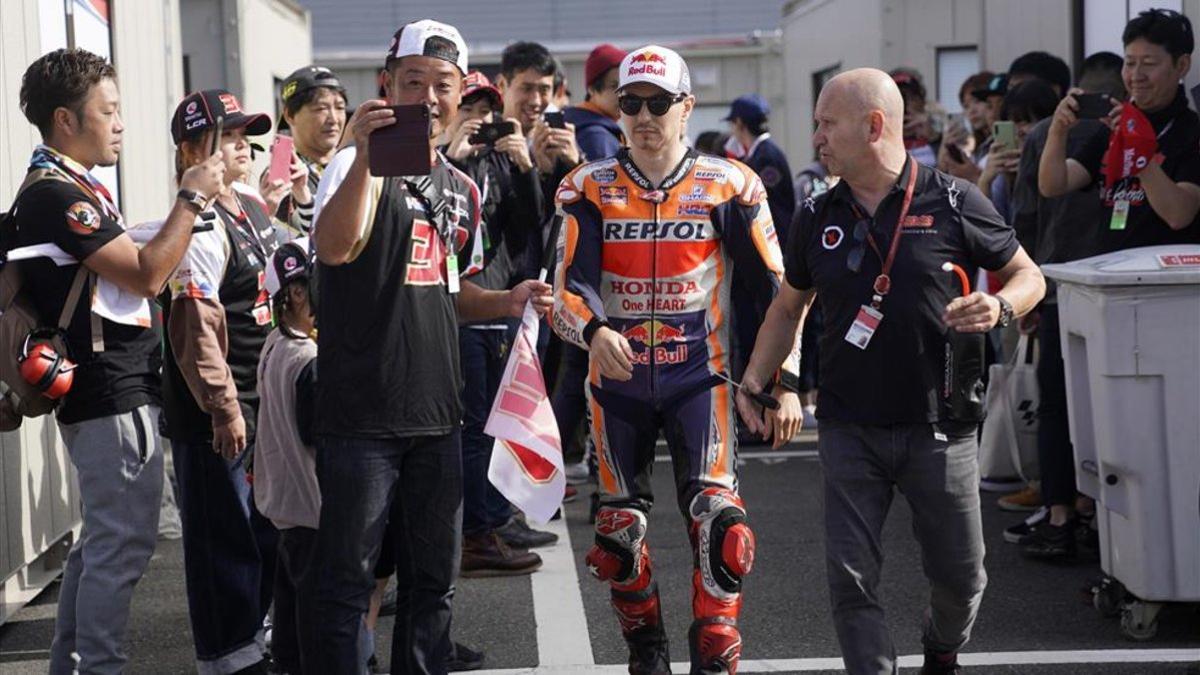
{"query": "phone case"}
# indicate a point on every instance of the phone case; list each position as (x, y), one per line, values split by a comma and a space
(402, 149)
(281, 159)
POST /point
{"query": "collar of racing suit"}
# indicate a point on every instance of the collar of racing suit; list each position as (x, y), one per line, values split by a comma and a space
(677, 174)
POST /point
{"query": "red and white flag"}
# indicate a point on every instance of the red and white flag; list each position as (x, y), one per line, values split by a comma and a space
(527, 462)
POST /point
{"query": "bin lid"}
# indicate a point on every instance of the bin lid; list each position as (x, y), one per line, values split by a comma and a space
(1148, 266)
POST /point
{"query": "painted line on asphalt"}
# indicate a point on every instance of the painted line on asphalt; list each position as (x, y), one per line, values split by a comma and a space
(563, 638)
(910, 661)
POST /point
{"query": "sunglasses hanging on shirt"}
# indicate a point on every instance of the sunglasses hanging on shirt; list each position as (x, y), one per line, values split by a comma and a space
(658, 104)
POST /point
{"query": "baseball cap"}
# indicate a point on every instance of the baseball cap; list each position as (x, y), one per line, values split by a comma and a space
(910, 79)
(997, 86)
(429, 38)
(290, 261)
(749, 108)
(658, 66)
(309, 77)
(603, 58)
(478, 84)
(199, 111)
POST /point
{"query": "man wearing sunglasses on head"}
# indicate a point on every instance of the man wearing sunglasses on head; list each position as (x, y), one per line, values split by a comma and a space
(649, 241)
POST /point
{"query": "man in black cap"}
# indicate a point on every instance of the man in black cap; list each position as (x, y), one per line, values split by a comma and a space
(314, 113)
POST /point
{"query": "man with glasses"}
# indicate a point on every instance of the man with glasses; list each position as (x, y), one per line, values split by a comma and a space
(899, 401)
(649, 239)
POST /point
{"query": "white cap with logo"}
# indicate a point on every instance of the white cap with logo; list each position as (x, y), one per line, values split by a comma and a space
(655, 65)
(429, 38)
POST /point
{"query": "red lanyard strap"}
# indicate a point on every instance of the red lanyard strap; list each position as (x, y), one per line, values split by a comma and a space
(883, 282)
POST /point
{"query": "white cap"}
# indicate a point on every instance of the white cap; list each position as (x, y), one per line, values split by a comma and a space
(658, 66)
(430, 38)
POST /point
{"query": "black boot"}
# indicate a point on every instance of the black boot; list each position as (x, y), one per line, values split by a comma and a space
(648, 653)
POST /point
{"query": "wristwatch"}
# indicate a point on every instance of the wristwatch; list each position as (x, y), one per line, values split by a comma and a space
(193, 199)
(1006, 312)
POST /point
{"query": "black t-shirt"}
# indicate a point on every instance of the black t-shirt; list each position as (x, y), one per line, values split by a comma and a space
(898, 377)
(125, 374)
(1178, 130)
(387, 323)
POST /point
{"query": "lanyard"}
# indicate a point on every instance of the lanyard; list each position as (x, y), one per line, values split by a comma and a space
(241, 223)
(883, 282)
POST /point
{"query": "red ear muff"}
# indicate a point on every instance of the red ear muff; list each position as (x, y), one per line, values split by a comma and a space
(44, 368)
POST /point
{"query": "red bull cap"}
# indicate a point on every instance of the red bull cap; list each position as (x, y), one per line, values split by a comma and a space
(656, 65)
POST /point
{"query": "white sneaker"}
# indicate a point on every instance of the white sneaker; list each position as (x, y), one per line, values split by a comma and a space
(576, 473)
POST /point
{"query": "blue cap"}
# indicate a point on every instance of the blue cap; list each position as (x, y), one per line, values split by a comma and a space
(749, 108)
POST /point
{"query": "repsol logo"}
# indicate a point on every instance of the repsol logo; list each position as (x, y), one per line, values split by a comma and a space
(669, 230)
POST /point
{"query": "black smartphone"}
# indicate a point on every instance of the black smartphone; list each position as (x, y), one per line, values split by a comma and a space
(1093, 106)
(555, 120)
(488, 134)
(216, 139)
(956, 153)
(402, 149)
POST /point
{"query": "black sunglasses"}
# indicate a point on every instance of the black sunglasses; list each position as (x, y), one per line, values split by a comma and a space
(658, 104)
(855, 259)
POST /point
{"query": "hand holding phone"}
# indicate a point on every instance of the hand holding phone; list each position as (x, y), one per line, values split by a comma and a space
(1004, 134)
(281, 159)
(1092, 106)
(488, 134)
(402, 148)
(555, 120)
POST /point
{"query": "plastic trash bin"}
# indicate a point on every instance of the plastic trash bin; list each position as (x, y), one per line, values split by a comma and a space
(1131, 346)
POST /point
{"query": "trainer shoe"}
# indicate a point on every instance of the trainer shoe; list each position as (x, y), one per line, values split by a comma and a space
(940, 663)
(518, 534)
(577, 473)
(1052, 543)
(1029, 499)
(463, 658)
(1020, 533)
(486, 555)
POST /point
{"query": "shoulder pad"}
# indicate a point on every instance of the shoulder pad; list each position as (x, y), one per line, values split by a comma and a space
(722, 171)
(752, 191)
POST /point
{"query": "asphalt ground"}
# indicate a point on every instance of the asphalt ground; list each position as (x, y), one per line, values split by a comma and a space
(1035, 617)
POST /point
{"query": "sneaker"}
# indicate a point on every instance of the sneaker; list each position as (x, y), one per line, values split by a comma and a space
(387, 604)
(518, 534)
(1052, 542)
(810, 418)
(577, 473)
(1020, 533)
(486, 555)
(940, 663)
(1029, 499)
(570, 494)
(463, 658)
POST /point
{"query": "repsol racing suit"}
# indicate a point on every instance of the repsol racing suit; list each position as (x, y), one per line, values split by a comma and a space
(655, 263)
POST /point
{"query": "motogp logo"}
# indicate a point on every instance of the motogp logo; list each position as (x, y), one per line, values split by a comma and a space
(832, 237)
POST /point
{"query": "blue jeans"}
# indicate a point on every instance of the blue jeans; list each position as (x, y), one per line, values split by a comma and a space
(416, 483)
(483, 354)
(229, 552)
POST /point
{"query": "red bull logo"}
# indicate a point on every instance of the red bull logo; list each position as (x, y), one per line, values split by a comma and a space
(654, 332)
(648, 57)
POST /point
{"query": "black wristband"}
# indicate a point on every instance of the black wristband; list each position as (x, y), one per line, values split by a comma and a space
(789, 381)
(589, 331)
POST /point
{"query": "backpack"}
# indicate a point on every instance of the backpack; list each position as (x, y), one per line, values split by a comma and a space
(19, 319)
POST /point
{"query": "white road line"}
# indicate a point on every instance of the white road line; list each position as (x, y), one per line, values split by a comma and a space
(562, 632)
(910, 661)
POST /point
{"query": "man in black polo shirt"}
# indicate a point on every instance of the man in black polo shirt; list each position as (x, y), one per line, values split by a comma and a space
(109, 418)
(391, 252)
(900, 387)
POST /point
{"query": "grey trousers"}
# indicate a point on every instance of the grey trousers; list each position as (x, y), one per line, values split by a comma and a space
(939, 476)
(119, 463)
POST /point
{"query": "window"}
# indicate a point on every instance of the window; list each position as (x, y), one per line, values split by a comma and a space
(954, 66)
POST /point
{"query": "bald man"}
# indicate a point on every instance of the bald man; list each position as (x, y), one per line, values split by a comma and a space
(900, 396)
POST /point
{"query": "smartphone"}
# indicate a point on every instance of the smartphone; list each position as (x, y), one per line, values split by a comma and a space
(402, 149)
(555, 120)
(281, 159)
(216, 139)
(488, 134)
(1093, 106)
(1004, 134)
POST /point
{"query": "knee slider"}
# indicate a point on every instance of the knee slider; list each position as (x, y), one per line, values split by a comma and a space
(724, 542)
(619, 552)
